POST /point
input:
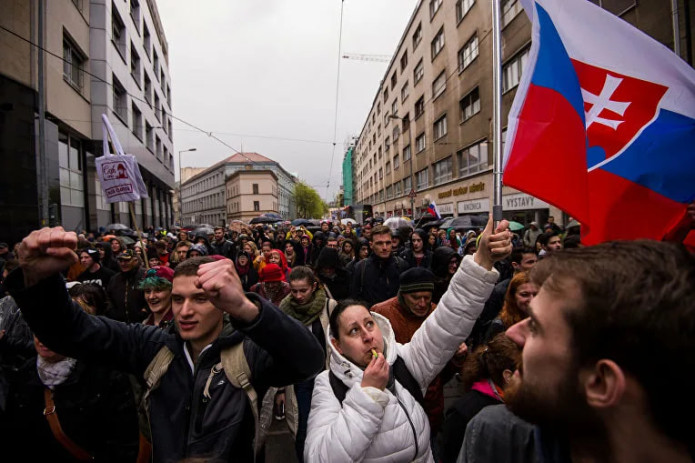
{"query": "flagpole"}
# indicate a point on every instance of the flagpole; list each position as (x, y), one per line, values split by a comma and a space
(496, 111)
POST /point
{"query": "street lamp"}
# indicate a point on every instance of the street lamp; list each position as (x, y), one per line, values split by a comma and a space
(181, 184)
(412, 183)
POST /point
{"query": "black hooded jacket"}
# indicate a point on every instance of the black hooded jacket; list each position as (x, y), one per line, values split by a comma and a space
(338, 283)
(126, 302)
(440, 267)
(374, 279)
(184, 423)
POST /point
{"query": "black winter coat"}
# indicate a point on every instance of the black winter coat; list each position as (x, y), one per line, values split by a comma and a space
(225, 249)
(409, 257)
(184, 423)
(375, 280)
(95, 407)
(126, 301)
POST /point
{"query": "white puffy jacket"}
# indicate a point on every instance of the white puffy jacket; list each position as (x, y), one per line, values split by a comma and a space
(374, 425)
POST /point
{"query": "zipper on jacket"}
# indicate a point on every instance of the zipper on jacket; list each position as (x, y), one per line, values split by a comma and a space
(412, 426)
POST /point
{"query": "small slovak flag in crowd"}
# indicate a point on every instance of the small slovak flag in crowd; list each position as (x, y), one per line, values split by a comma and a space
(603, 123)
(432, 210)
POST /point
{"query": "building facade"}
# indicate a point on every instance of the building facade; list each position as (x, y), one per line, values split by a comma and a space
(251, 193)
(98, 58)
(206, 197)
(428, 133)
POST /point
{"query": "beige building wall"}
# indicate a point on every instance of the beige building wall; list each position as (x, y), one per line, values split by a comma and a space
(251, 193)
(17, 56)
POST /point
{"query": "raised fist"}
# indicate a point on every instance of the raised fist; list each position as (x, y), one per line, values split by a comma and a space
(46, 252)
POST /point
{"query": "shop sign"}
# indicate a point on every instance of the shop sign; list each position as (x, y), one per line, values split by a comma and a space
(474, 206)
(447, 208)
(473, 188)
(522, 201)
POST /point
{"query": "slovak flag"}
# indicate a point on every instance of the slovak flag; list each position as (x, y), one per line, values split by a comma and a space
(603, 123)
(432, 210)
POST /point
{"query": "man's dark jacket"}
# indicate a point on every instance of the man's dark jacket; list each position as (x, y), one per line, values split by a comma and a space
(126, 301)
(226, 249)
(375, 279)
(409, 256)
(184, 424)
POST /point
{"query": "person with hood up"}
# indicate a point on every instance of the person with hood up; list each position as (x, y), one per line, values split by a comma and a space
(278, 258)
(197, 250)
(445, 261)
(272, 285)
(332, 274)
(417, 255)
(365, 408)
(307, 248)
(293, 253)
(347, 251)
(126, 301)
(362, 251)
(106, 257)
(318, 244)
(244, 268)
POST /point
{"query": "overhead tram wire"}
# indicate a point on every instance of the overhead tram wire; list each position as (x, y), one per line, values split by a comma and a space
(337, 94)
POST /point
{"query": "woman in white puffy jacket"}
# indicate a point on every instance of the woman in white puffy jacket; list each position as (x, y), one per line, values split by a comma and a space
(379, 420)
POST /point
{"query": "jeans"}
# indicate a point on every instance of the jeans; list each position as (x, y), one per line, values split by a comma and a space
(303, 391)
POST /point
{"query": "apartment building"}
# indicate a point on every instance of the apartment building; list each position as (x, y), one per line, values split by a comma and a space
(99, 57)
(206, 197)
(251, 193)
(428, 133)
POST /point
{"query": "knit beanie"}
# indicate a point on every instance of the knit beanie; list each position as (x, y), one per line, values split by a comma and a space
(271, 272)
(93, 253)
(416, 279)
(158, 277)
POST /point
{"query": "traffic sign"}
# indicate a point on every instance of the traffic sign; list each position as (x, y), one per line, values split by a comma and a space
(412, 194)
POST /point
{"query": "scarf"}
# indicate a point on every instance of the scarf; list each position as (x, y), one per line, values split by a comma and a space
(242, 270)
(53, 374)
(309, 311)
(488, 388)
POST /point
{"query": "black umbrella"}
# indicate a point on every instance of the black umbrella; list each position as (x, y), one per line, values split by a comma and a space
(117, 226)
(203, 230)
(272, 215)
(262, 219)
(467, 222)
(302, 222)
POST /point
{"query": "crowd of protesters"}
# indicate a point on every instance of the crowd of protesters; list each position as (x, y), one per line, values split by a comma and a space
(186, 344)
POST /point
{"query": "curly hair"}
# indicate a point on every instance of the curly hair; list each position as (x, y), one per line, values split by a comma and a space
(490, 360)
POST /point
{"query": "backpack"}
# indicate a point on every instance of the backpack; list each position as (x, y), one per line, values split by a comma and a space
(236, 369)
(400, 372)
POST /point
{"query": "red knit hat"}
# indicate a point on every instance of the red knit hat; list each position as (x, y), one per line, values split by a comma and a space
(271, 272)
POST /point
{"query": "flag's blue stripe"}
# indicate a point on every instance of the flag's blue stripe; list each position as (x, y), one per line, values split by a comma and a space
(554, 69)
(662, 157)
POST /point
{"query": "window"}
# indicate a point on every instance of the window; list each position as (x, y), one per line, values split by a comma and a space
(73, 65)
(468, 53)
(511, 72)
(146, 40)
(381, 173)
(386, 95)
(407, 185)
(404, 61)
(148, 89)
(418, 72)
(155, 63)
(256, 206)
(617, 7)
(420, 107)
(422, 179)
(439, 85)
(70, 170)
(387, 143)
(440, 128)
(420, 143)
(388, 167)
(135, 65)
(472, 159)
(396, 133)
(406, 153)
(117, 31)
(168, 96)
(389, 192)
(437, 43)
(149, 139)
(394, 107)
(157, 107)
(417, 36)
(171, 134)
(470, 105)
(158, 148)
(510, 8)
(443, 171)
(397, 187)
(462, 7)
(405, 91)
(255, 188)
(394, 79)
(396, 162)
(135, 13)
(162, 79)
(120, 101)
(435, 5)
(137, 122)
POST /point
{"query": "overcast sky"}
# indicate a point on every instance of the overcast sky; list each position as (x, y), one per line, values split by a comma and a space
(262, 75)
